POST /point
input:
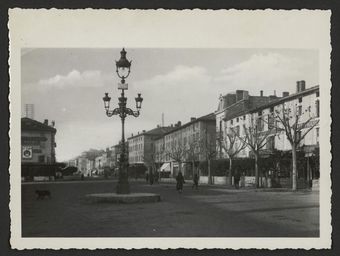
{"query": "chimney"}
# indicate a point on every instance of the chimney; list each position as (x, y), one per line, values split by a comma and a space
(245, 95)
(172, 125)
(239, 95)
(158, 126)
(143, 131)
(192, 119)
(46, 121)
(300, 86)
(179, 123)
(285, 94)
(261, 93)
(53, 123)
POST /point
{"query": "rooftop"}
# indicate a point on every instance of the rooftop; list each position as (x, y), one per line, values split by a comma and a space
(29, 124)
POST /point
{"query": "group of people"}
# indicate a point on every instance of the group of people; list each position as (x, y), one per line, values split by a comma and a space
(180, 181)
(152, 177)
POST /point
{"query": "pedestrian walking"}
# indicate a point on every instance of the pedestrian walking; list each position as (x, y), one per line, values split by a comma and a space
(156, 177)
(147, 177)
(237, 179)
(151, 177)
(180, 181)
(195, 185)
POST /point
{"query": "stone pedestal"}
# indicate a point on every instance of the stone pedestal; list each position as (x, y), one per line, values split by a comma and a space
(131, 198)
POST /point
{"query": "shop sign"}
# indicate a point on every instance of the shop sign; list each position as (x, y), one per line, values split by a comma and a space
(27, 152)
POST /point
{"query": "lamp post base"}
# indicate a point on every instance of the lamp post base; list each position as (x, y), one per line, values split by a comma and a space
(123, 187)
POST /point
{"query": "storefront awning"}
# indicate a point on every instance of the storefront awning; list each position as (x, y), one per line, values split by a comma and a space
(165, 167)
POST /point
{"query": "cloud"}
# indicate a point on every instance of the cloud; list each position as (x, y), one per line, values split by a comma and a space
(265, 72)
(75, 78)
(182, 92)
(181, 74)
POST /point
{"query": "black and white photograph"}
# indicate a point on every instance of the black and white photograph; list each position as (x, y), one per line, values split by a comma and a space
(174, 140)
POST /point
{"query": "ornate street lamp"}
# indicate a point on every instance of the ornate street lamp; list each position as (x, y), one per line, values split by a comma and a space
(123, 71)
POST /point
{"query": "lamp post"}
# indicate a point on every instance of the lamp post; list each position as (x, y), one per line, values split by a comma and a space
(123, 71)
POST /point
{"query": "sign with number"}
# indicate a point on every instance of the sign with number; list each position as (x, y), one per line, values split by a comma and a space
(123, 86)
(27, 152)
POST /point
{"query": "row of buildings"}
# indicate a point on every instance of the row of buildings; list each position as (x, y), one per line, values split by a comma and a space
(184, 146)
(188, 146)
(97, 162)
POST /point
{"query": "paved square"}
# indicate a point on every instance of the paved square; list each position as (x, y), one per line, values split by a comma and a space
(212, 211)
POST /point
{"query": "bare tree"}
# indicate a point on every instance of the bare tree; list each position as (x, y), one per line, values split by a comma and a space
(177, 153)
(255, 137)
(150, 160)
(192, 152)
(232, 146)
(296, 127)
(207, 147)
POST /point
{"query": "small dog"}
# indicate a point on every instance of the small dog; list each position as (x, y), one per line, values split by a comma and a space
(41, 194)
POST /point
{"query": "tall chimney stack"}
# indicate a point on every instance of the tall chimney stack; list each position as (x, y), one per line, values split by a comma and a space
(46, 121)
(261, 93)
(285, 94)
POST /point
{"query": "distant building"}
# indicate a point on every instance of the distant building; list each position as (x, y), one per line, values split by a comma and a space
(232, 106)
(238, 115)
(140, 146)
(194, 134)
(29, 111)
(37, 141)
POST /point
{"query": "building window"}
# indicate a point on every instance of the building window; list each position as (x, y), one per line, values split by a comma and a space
(41, 159)
(300, 110)
(271, 122)
(300, 99)
(317, 94)
(299, 136)
(260, 125)
(237, 119)
(317, 135)
(260, 113)
(271, 143)
(271, 109)
(317, 106)
(237, 130)
(231, 121)
(244, 118)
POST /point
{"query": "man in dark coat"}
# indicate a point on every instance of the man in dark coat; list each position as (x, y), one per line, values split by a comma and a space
(237, 179)
(195, 185)
(180, 181)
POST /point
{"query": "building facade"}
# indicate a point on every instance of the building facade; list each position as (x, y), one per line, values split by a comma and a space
(186, 145)
(302, 108)
(232, 111)
(141, 146)
(37, 142)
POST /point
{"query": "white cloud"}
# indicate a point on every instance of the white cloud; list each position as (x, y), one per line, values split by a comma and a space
(179, 75)
(265, 72)
(75, 78)
(183, 92)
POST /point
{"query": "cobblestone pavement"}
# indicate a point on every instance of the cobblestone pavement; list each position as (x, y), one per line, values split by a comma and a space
(212, 211)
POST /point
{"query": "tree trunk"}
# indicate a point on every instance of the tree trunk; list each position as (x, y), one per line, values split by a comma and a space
(230, 171)
(209, 173)
(256, 171)
(294, 171)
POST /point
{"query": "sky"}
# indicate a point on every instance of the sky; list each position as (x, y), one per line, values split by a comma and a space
(67, 86)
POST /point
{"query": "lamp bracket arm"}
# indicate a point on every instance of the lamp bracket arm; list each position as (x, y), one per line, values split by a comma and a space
(110, 113)
(131, 112)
